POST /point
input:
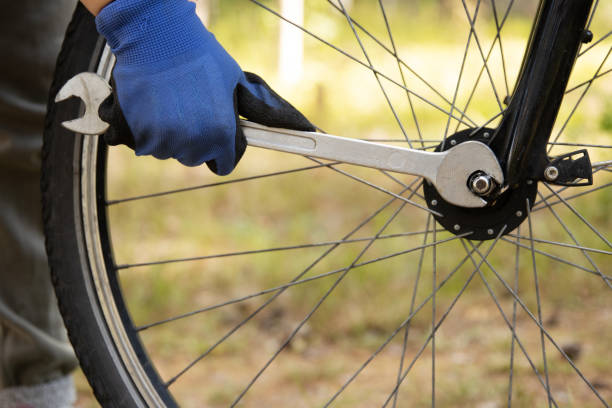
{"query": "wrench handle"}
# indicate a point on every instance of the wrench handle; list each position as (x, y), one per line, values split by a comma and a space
(343, 149)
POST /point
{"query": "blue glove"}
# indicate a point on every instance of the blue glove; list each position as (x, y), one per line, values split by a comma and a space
(178, 91)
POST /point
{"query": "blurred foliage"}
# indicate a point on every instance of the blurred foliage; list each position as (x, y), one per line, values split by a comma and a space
(606, 118)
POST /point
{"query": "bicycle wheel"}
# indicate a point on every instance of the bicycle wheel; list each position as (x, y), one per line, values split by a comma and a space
(301, 282)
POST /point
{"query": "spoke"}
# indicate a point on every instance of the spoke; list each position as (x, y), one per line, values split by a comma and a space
(346, 54)
(588, 82)
(472, 133)
(476, 38)
(482, 69)
(465, 285)
(437, 141)
(538, 206)
(397, 330)
(535, 320)
(412, 301)
(580, 145)
(512, 327)
(433, 326)
(281, 288)
(554, 257)
(592, 15)
(220, 183)
(278, 291)
(267, 250)
(384, 190)
(401, 183)
(572, 209)
(407, 251)
(316, 307)
(394, 54)
(382, 88)
(539, 304)
(563, 244)
(460, 76)
(586, 89)
(567, 230)
(401, 71)
(499, 27)
(608, 34)
(601, 165)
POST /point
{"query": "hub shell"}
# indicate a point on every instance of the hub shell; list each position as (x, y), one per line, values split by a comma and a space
(509, 208)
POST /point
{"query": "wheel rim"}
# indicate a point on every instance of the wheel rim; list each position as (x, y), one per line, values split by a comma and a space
(525, 248)
(92, 182)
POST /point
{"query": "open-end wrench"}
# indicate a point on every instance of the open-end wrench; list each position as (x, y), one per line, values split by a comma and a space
(93, 90)
(448, 171)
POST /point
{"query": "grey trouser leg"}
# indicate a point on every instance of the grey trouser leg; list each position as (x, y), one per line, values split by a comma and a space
(33, 346)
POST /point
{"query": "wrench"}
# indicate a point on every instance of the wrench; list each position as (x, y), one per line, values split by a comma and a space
(93, 90)
(448, 171)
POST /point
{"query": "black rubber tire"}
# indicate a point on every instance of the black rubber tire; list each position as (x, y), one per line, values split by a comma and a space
(87, 330)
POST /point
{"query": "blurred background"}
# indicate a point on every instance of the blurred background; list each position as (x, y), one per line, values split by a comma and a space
(279, 216)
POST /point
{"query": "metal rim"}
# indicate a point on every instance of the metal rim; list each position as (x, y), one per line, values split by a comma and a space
(97, 271)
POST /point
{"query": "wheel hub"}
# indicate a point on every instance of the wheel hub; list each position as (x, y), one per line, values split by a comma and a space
(508, 208)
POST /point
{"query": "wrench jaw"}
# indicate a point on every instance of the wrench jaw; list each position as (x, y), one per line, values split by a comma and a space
(505, 207)
(92, 89)
(86, 126)
(459, 164)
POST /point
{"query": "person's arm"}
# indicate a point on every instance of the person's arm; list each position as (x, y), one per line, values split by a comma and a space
(94, 6)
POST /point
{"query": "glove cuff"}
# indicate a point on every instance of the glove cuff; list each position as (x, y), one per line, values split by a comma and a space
(149, 32)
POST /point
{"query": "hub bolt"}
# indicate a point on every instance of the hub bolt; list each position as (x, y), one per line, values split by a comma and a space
(551, 173)
(481, 184)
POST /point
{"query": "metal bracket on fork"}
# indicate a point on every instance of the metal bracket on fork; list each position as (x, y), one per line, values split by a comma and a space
(522, 137)
(448, 171)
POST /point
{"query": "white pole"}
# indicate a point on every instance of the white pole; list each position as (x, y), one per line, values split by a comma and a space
(291, 41)
(203, 10)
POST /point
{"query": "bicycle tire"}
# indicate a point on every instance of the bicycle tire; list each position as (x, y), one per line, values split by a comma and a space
(97, 355)
(112, 378)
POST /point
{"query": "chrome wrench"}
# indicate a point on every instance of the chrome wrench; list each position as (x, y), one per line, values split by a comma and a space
(448, 171)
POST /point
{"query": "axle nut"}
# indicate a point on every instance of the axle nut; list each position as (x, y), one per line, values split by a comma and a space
(481, 184)
(551, 173)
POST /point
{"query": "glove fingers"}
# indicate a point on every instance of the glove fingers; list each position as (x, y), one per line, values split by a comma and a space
(268, 108)
(255, 101)
(224, 165)
(119, 131)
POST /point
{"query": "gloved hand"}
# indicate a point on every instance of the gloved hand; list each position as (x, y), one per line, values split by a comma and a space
(180, 92)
